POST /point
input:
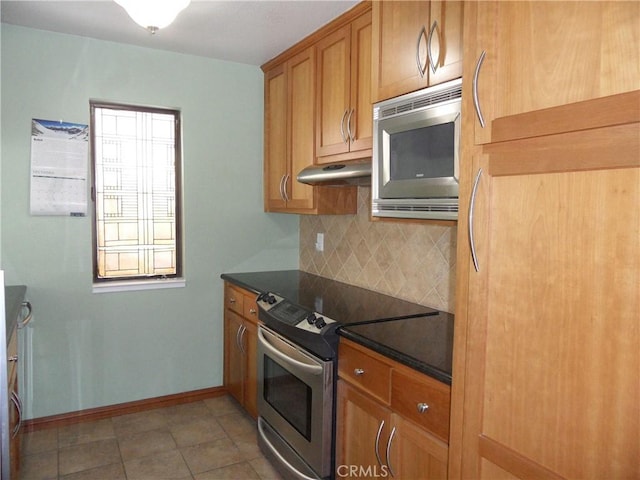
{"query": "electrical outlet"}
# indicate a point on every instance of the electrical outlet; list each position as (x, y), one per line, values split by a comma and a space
(320, 242)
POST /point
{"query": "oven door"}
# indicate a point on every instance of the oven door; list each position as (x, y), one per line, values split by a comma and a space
(295, 399)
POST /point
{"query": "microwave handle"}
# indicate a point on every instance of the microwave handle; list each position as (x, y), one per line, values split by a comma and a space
(472, 202)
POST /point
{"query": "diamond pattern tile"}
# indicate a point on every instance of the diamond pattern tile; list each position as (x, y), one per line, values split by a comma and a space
(415, 262)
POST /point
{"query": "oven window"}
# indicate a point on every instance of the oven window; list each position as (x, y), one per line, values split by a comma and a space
(289, 396)
(426, 152)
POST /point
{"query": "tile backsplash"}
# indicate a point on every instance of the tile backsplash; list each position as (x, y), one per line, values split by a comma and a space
(415, 262)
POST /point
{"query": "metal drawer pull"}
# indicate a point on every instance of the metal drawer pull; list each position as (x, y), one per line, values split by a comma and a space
(278, 455)
(13, 358)
(253, 311)
(422, 407)
(358, 371)
(232, 300)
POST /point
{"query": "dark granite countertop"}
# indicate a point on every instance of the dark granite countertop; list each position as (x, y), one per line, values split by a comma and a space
(424, 343)
(13, 298)
(414, 335)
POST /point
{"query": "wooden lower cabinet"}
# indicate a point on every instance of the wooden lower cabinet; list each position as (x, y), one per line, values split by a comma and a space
(375, 437)
(241, 346)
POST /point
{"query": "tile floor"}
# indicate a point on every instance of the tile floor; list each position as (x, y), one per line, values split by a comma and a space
(204, 440)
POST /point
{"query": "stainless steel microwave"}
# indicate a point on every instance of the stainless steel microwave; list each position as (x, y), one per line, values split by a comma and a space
(416, 143)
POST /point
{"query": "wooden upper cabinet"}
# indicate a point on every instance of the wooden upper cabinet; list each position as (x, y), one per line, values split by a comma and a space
(301, 87)
(344, 122)
(415, 45)
(276, 150)
(545, 54)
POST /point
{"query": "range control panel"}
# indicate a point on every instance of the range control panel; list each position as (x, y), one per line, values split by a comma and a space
(291, 314)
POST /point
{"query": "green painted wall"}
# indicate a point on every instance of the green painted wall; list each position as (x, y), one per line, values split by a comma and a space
(92, 350)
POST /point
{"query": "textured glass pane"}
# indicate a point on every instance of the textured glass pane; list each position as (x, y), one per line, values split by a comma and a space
(135, 192)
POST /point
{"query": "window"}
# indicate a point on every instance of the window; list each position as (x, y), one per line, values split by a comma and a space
(136, 192)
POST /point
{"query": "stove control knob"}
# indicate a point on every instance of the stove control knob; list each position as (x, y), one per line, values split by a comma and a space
(311, 318)
(262, 297)
(320, 323)
(271, 299)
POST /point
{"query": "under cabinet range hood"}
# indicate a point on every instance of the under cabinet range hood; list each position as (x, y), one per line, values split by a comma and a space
(337, 174)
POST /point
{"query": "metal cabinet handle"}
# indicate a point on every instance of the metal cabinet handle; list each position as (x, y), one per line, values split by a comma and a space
(349, 132)
(13, 358)
(421, 69)
(284, 189)
(472, 203)
(232, 301)
(393, 433)
(358, 371)
(345, 139)
(240, 337)
(28, 316)
(18, 404)
(476, 101)
(422, 407)
(238, 333)
(377, 445)
(252, 311)
(434, 65)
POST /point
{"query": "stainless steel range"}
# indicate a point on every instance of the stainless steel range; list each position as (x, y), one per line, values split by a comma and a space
(297, 370)
(296, 387)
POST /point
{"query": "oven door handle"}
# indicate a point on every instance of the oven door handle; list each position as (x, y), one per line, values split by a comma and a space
(314, 369)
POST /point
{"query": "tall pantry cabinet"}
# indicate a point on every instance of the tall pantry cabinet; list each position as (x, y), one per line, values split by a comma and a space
(547, 345)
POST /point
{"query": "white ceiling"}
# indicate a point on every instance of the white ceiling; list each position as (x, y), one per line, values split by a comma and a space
(250, 32)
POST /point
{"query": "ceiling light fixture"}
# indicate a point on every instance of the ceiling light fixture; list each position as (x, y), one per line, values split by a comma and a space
(153, 14)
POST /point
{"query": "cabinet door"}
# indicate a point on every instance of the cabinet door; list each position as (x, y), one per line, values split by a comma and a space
(446, 23)
(551, 383)
(333, 95)
(275, 140)
(301, 88)
(545, 54)
(360, 122)
(399, 48)
(250, 339)
(415, 454)
(233, 357)
(362, 433)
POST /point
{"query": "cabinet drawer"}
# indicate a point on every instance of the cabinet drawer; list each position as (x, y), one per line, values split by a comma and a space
(422, 400)
(250, 306)
(233, 299)
(365, 371)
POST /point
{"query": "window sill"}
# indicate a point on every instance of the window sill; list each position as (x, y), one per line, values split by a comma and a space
(133, 285)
